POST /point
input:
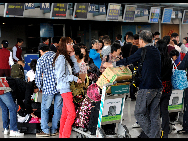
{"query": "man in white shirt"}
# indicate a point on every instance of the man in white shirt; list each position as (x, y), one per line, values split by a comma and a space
(17, 50)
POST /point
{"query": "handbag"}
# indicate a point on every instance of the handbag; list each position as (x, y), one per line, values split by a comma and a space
(179, 78)
(78, 91)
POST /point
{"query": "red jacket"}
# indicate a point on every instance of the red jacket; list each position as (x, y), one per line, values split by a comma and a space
(18, 53)
(4, 58)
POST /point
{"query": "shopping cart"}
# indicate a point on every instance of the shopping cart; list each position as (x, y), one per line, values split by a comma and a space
(111, 111)
(175, 108)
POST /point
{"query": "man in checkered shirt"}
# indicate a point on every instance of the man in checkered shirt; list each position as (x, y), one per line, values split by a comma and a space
(46, 81)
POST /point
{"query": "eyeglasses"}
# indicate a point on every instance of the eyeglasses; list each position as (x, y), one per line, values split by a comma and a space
(70, 44)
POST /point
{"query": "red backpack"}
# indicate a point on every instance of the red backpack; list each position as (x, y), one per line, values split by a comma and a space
(3, 85)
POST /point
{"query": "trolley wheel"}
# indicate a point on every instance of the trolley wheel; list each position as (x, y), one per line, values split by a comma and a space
(170, 128)
(127, 135)
(78, 135)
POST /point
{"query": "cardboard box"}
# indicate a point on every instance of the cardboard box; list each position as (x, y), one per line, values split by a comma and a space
(114, 74)
(118, 88)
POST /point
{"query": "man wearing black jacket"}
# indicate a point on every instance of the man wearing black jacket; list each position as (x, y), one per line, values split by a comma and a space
(127, 50)
(147, 109)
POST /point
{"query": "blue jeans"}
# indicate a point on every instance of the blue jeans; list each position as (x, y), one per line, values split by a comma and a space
(45, 107)
(147, 111)
(8, 105)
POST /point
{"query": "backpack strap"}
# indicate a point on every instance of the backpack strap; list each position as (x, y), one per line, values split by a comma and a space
(143, 56)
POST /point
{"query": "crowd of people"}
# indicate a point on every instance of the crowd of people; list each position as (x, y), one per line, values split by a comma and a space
(68, 60)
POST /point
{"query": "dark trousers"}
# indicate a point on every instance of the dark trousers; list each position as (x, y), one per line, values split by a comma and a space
(147, 111)
(5, 72)
(185, 113)
(164, 102)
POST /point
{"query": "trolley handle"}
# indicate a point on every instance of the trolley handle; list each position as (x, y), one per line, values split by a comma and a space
(123, 81)
(113, 83)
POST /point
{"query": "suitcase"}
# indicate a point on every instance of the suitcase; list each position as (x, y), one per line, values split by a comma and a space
(29, 128)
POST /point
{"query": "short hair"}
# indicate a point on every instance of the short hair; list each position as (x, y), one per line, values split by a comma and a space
(174, 52)
(19, 40)
(156, 33)
(174, 35)
(115, 47)
(146, 36)
(129, 33)
(44, 47)
(105, 37)
(166, 39)
(44, 39)
(130, 37)
(119, 36)
(175, 42)
(107, 41)
(94, 41)
(136, 36)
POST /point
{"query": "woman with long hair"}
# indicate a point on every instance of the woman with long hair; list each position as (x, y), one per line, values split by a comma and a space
(166, 73)
(65, 66)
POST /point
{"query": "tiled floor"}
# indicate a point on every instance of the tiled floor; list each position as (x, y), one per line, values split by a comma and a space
(129, 120)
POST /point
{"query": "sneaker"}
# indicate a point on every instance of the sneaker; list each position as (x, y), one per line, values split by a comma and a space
(15, 133)
(173, 127)
(42, 134)
(54, 134)
(136, 125)
(6, 131)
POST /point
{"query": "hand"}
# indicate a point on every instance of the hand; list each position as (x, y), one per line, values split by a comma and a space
(106, 65)
(79, 81)
(72, 53)
(33, 115)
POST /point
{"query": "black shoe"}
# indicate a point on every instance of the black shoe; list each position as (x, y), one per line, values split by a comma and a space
(133, 99)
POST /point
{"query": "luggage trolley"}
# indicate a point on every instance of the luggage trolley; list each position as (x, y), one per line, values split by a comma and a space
(111, 111)
(175, 108)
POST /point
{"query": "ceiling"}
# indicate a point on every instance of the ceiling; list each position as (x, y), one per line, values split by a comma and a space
(175, 6)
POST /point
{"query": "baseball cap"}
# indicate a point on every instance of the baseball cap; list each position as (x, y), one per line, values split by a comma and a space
(5, 43)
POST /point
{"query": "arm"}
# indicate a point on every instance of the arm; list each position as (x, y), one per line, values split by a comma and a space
(14, 49)
(183, 48)
(38, 75)
(184, 64)
(94, 55)
(60, 65)
(11, 62)
(126, 61)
